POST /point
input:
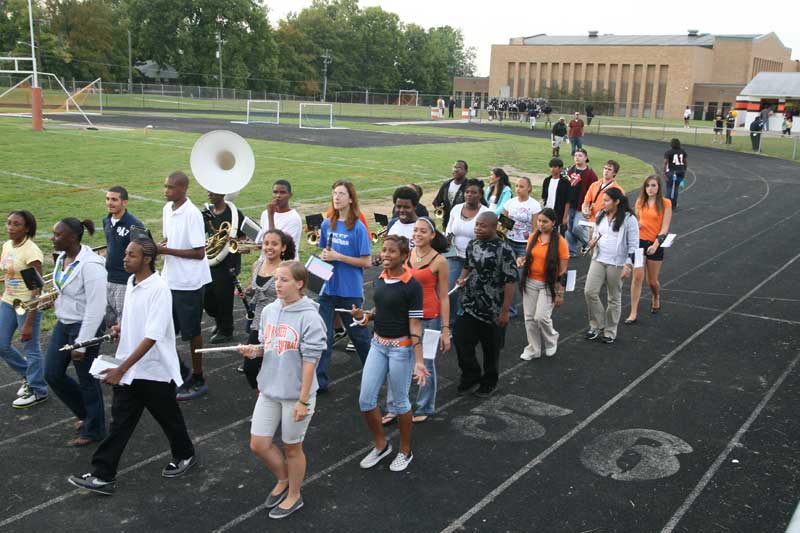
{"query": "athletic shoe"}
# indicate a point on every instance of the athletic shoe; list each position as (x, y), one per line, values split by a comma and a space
(339, 334)
(466, 388)
(401, 462)
(191, 389)
(180, 468)
(592, 334)
(608, 340)
(94, 484)
(350, 347)
(279, 513)
(551, 352)
(23, 389)
(529, 356)
(28, 400)
(375, 456)
(484, 391)
(219, 338)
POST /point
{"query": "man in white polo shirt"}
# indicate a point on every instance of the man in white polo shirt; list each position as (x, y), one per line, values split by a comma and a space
(279, 215)
(146, 375)
(186, 272)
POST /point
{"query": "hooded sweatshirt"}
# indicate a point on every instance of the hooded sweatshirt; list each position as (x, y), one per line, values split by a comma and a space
(82, 295)
(291, 335)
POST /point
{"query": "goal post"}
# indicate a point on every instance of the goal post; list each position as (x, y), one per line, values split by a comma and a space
(316, 116)
(263, 112)
(90, 96)
(408, 97)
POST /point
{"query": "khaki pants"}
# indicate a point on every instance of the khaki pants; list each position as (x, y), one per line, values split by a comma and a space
(604, 320)
(538, 306)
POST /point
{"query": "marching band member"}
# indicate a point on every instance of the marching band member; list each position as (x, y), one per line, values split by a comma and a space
(405, 201)
(395, 353)
(186, 273)
(278, 215)
(218, 295)
(117, 227)
(80, 279)
(276, 247)
(452, 191)
(20, 252)
(346, 245)
(293, 337)
(147, 374)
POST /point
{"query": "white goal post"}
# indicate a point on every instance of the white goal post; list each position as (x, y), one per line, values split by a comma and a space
(262, 112)
(408, 97)
(316, 116)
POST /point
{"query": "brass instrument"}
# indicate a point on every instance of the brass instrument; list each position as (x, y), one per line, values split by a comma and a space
(504, 224)
(218, 241)
(243, 247)
(314, 231)
(89, 342)
(438, 212)
(98, 249)
(383, 222)
(376, 237)
(312, 236)
(44, 300)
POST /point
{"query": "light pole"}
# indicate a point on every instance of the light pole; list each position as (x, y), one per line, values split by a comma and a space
(130, 65)
(220, 42)
(326, 59)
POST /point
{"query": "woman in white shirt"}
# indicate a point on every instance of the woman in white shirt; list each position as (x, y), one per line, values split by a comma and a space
(615, 241)
(460, 230)
(521, 209)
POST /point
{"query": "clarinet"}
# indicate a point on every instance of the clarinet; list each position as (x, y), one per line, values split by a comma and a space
(250, 314)
(90, 342)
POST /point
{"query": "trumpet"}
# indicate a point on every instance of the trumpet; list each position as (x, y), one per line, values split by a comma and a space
(45, 300)
(243, 247)
(312, 236)
(376, 237)
(438, 212)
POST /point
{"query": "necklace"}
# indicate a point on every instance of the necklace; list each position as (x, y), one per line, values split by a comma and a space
(417, 257)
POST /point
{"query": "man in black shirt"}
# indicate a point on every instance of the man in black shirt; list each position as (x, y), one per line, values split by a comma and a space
(452, 191)
(730, 123)
(488, 280)
(450, 106)
(675, 165)
(218, 298)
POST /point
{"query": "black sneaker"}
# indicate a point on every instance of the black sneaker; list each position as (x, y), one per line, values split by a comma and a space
(219, 338)
(191, 389)
(592, 334)
(177, 469)
(94, 484)
(484, 391)
(466, 388)
(608, 340)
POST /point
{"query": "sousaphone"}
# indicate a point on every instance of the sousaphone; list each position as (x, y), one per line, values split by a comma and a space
(222, 162)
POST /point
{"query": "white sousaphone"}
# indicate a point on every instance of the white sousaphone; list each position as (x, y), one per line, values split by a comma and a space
(222, 162)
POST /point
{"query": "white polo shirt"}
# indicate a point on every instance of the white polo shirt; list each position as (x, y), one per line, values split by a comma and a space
(148, 314)
(184, 229)
(289, 222)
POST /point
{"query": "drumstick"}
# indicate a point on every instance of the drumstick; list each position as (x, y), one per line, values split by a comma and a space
(350, 311)
(225, 348)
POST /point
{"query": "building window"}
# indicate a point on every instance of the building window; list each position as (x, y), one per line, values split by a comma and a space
(511, 74)
(662, 90)
(623, 90)
(650, 76)
(637, 90)
(565, 68)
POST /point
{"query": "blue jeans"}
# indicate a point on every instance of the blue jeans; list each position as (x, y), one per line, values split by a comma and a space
(359, 335)
(576, 142)
(454, 267)
(394, 363)
(672, 186)
(85, 398)
(575, 232)
(30, 367)
(519, 251)
(426, 395)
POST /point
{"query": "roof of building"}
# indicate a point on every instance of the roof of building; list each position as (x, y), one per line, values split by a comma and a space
(701, 39)
(151, 69)
(774, 84)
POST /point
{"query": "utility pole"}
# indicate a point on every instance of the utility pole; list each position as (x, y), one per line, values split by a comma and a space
(130, 65)
(220, 42)
(326, 59)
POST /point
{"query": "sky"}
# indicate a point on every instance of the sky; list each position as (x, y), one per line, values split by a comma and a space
(483, 26)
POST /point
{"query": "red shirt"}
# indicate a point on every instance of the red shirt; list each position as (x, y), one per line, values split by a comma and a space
(575, 128)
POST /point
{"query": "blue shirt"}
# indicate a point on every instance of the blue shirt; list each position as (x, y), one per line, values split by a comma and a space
(347, 280)
(117, 239)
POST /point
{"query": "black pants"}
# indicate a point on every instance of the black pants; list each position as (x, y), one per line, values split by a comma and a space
(218, 299)
(755, 139)
(728, 138)
(467, 333)
(252, 366)
(126, 410)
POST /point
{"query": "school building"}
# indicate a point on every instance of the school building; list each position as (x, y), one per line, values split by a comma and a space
(640, 75)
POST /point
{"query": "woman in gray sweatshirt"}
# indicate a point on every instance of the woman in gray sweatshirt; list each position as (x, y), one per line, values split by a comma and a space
(293, 337)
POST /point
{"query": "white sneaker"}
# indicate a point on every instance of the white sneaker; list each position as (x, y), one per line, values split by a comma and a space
(29, 400)
(551, 352)
(23, 389)
(375, 456)
(529, 356)
(401, 462)
(350, 347)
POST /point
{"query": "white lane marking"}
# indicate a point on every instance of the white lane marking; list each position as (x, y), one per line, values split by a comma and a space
(736, 313)
(37, 430)
(706, 293)
(711, 472)
(459, 522)
(72, 185)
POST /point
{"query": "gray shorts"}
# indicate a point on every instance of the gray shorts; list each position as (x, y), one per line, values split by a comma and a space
(269, 413)
(115, 298)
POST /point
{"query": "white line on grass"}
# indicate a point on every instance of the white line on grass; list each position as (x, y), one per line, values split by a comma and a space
(715, 466)
(72, 185)
(491, 496)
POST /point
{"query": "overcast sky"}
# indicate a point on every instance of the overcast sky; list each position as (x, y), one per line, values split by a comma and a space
(495, 22)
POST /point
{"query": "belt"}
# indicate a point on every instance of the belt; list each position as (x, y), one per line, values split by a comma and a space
(397, 342)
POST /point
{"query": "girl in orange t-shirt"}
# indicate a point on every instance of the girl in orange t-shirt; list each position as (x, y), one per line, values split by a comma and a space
(544, 269)
(655, 214)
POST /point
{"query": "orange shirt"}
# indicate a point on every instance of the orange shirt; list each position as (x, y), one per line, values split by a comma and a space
(539, 255)
(594, 196)
(650, 221)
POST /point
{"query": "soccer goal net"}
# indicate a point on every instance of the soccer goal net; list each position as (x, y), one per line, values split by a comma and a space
(263, 112)
(406, 97)
(17, 100)
(88, 97)
(316, 116)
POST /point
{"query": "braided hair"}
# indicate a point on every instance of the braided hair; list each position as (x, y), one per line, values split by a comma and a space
(149, 249)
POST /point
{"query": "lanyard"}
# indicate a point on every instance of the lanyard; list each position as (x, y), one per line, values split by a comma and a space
(60, 276)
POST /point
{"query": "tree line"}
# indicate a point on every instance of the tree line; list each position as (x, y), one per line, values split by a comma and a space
(369, 48)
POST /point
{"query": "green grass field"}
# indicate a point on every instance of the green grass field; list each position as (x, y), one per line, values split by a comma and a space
(64, 172)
